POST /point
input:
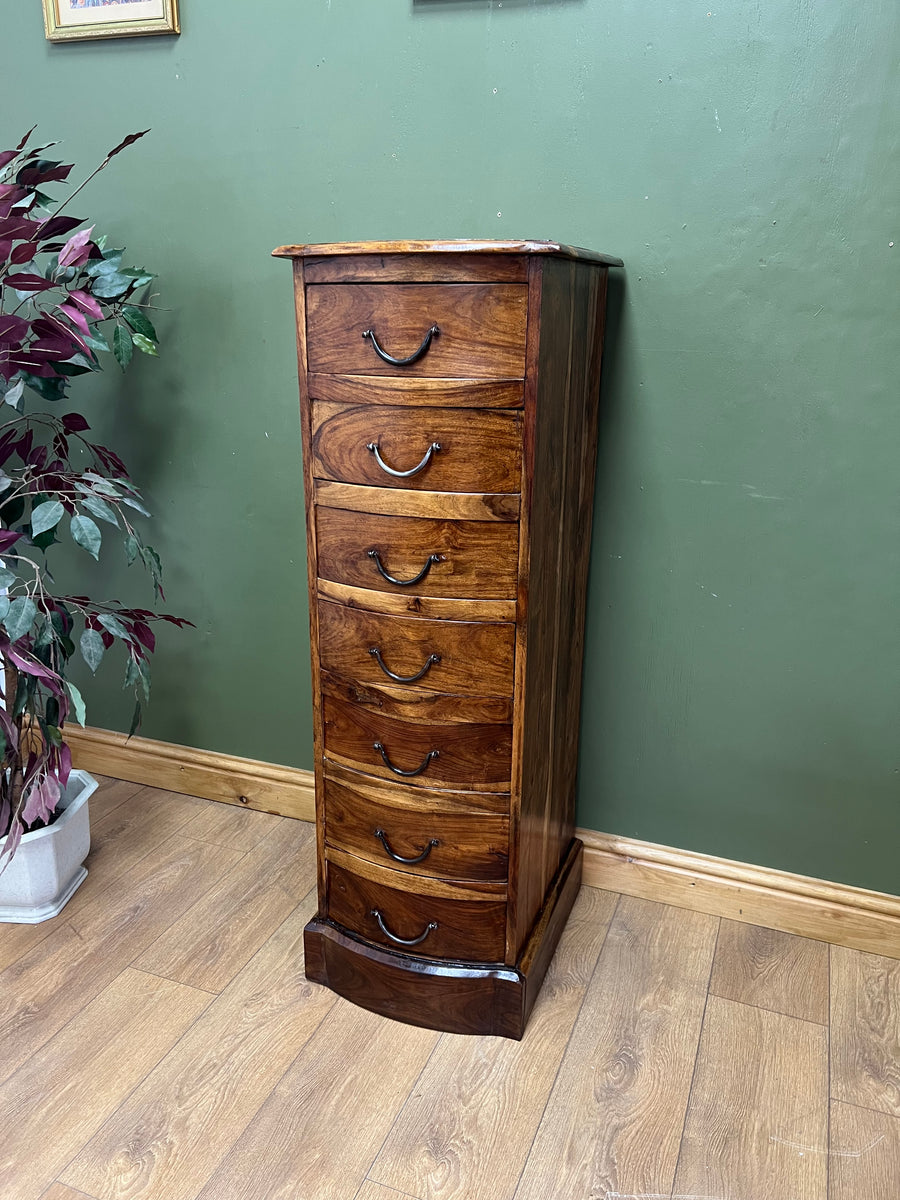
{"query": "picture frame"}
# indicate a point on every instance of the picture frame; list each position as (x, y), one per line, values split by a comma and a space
(72, 20)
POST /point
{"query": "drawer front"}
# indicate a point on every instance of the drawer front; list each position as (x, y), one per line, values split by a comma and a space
(475, 559)
(481, 329)
(439, 450)
(462, 657)
(461, 929)
(465, 754)
(449, 845)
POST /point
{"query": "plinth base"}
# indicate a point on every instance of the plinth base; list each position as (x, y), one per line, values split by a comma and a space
(453, 996)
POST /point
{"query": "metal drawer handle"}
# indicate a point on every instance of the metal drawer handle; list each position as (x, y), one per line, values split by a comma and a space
(399, 940)
(382, 837)
(429, 663)
(401, 362)
(434, 448)
(429, 561)
(399, 770)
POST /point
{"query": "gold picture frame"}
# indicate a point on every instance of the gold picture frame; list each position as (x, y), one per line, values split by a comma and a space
(71, 20)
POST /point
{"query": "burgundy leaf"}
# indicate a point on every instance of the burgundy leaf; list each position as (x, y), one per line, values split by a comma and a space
(42, 801)
(8, 537)
(32, 667)
(12, 329)
(74, 423)
(12, 841)
(75, 251)
(58, 226)
(132, 137)
(5, 249)
(24, 141)
(75, 316)
(6, 156)
(24, 252)
(44, 172)
(145, 635)
(107, 638)
(24, 282)
(18, 227)
(65, 763)
(88, 303)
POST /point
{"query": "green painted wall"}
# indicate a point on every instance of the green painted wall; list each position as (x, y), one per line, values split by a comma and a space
(742, 674)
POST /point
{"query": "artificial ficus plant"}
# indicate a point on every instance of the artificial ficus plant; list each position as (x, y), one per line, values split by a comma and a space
(63, 296)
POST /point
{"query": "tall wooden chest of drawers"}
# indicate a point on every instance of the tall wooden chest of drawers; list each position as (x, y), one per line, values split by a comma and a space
(449, 395)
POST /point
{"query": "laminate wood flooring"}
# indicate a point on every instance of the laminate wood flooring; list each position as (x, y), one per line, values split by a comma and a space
(159, 1041)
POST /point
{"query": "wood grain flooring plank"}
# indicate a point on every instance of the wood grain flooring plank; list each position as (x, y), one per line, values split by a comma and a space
(864, 1163)
(59, 1191)
(45, 988)
(757, 1122)
(215, 938)
(80, 1076)
(319, 1132)
(231, 825)
(773, 970)
(865, 1030)
(375, 1191)
(171, 1134)
(467, 1129)
(110, 794)
(614, 1119)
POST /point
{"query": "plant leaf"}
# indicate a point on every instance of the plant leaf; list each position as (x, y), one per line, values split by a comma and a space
(77, 701)
(86, 534)
(115, 626)
(100, 509)
(144, 344)
(122, 347)
(111, 284)
(46, 516)
(92, 648)
(15, 393)
(20, 618)
(139, 322)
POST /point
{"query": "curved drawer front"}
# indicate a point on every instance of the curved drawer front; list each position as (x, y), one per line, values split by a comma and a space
(463, 657)
(448, 450)
(481, 328)
(423, 556)
(457, 928)
(434, 841)
(463, 754)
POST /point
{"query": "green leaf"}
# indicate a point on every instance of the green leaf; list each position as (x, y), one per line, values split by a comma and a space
(86, 534)
(114, 626)
(44, 540)
(132, 673)
(49, 389)
(145, 344)
(139, 322)
(111, 285)
(92, 648)
(110, 262)
(95, 340)
(131, 549)
(77, 701)
(4, 607)
(136, 504)
(45, 635)
(122, 347)
(19, 619)
(7, 578)
(100, 509)
(78, 364)
(46, 516)
(135, 719)
(15, 393)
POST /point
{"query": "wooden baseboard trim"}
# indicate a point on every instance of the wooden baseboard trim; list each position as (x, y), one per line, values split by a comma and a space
(814, 908)
(287, 791)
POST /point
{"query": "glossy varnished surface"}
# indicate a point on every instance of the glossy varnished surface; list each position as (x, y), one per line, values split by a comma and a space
(459, 246)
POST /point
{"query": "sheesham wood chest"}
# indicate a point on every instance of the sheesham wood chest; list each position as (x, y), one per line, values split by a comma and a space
(449, 397)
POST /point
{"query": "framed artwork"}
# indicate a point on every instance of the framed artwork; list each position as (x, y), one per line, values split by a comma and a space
(66, 20)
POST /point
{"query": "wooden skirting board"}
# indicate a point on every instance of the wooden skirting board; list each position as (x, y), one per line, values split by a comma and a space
(814, 908)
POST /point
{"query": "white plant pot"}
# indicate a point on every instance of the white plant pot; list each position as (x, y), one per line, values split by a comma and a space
(48, 866)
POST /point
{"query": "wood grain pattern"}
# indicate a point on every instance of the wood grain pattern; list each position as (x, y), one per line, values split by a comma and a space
(406, 703)
(217, 936)
(865, 1030)
(81, 957)
(482, 328)
(477, 558)
(432, 607)
(401, 390)
(865, 1154)
(459, 844)
(84, 1073)
(467, 1128)
(462, 929)
(398, 796)
(446, 247)
(374, 1191)
(416, 268)
(471, 755)
(475, 658)
(614, 1120)
(171, 1134)
(772, 970)
(59, 1191)
(480, 449)
(757, 1123)
(392, 502)
(312, 1137)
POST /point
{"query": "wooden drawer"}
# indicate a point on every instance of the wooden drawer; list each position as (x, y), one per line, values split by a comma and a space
(445, 842)
(479, 450)
(472, 658)
(471, 754)
(476, 559)
(482, 328)
(453, 927)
